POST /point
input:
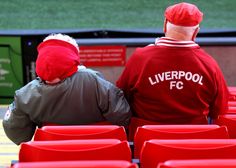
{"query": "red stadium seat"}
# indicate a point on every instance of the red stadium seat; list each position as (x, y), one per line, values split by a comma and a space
(232, 103)
(232, 110)
(159, 151)
(148, 132)
(232, 93)
(232, 88)
(135, 123)
(229, 120)
(77, 164)
(80, 132)
(99, 149)
(201, 163)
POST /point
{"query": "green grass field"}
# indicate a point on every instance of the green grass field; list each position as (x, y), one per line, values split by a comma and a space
(76, 14)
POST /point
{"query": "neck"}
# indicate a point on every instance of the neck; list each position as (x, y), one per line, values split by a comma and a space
(54, 81)
(180, 32)
(178, 36)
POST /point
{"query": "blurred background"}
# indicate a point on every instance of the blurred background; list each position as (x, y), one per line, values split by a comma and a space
(106, 14)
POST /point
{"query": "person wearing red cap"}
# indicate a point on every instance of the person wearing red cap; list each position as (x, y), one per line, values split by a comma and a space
(174, 81)
(64, 93)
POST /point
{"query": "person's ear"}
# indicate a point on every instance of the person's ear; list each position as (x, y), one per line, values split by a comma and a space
(165, 26)
(195, 33)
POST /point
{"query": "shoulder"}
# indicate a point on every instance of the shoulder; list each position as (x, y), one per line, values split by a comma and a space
(88, 72)
(28, 93)
(140, 53)
(140, 56)
(30, 87)
(91, 78)
(206, 58)
(144, 50)
(86, 75)
(208, 63)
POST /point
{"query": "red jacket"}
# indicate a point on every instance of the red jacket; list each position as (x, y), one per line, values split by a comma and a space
(174, 82)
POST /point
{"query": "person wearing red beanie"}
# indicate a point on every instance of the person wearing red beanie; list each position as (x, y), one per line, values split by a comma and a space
(63, 94)
(174, 81)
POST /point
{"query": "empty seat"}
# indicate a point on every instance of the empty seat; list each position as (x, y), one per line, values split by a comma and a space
(148, 132)
(99, 149)
(80, 132)
(77, 164)
(232, 103)
(231, 110)
(232, 93)
(158, 151)
(201, 163)
(229, 120)
(232, 88)
(135, 123)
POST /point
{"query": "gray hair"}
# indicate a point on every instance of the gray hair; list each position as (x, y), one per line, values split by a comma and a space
(63, 37)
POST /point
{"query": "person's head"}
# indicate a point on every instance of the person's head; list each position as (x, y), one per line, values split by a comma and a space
(58, 58)
(182, 21)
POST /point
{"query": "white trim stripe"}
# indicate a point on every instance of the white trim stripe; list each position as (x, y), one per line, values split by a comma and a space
(172, 45)
(164, 41)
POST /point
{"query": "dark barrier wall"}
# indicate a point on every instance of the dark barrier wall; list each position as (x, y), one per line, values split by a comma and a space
(18, 52)
(11, 67)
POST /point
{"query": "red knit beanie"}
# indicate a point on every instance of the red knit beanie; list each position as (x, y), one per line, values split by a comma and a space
(184, 14)
(56, 59)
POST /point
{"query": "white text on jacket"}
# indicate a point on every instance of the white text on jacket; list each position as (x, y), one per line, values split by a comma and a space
(176, 78)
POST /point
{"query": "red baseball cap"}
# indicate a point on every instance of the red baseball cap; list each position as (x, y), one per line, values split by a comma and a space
(56, 59)
(184, 14)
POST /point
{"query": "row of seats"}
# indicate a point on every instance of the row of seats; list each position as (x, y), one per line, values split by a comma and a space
(199, 163)
(154, 145)
(157, 151)
(144, 133)
(174, 150)
(77, 164)
(149, 132)
(191, 163)
(71, 132)
(94, 147)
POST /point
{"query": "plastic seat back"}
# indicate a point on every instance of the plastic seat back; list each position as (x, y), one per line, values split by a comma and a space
(80, 132)
(77, 164)
(99, 149)
(200, 163)
(148, 132)
(232, 103)
(231, 110)
(232, 88)
(232, 93)
(158, 151)
(135, 123)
